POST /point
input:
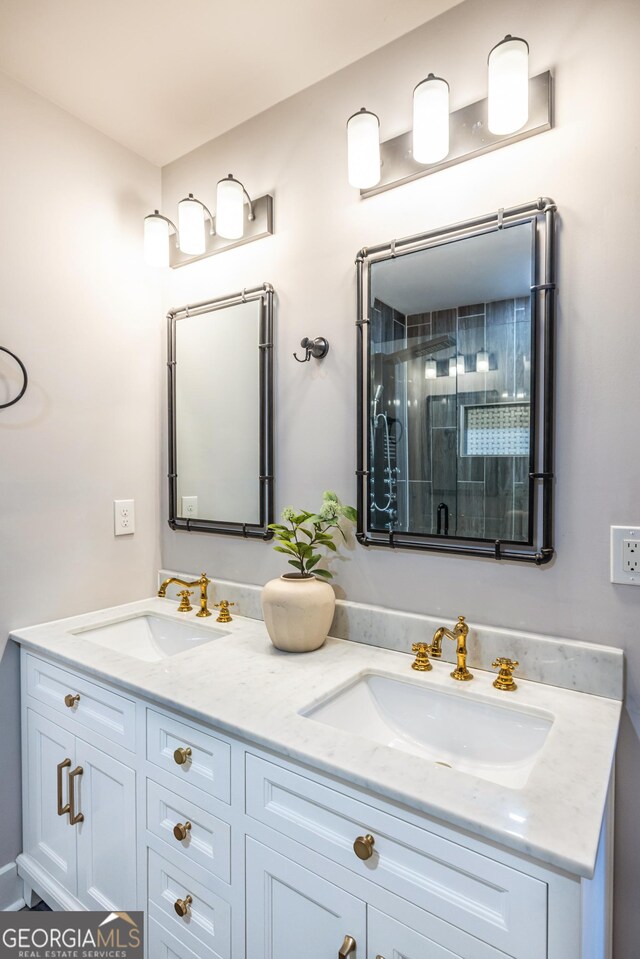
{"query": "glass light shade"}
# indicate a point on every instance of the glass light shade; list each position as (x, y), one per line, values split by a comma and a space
(191, 226)
(363, 149)
(459, 363)
(453, 366)
(230, 209)
(508, 85)
(430, 369)
(431, 120)
(156, 240)
(482, 361)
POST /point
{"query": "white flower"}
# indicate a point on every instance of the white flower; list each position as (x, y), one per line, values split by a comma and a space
(289, 514)
(329, 511)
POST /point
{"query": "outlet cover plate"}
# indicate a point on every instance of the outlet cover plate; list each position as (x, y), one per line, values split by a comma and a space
(622, 554)
(124, 517)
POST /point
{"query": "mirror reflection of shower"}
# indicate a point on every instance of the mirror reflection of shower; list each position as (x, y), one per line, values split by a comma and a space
(384, 495)
(388, 502)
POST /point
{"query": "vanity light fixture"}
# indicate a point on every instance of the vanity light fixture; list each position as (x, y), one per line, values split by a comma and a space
(516, 107)
(233, 225)
(508, 75)
(430, 369)
(482, 361)
(431, 120)
(156, 239)
(460, 364)
(363, 149)
(453, 366)
(191, 230)
(230, 197)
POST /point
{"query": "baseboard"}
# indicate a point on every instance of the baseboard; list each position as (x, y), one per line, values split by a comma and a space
(10, 888)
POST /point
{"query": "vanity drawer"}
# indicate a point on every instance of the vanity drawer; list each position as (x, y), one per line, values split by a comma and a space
(493, 902)
(208, 840)
(97, 709)
(207, 759)
(206, 929)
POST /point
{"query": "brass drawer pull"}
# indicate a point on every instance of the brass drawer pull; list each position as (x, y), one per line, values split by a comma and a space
(347, 947)
(74, 817)
(70, 700)
(63, 765)
(182, 755)
(181, 906)
(181, 830)
(363, 847)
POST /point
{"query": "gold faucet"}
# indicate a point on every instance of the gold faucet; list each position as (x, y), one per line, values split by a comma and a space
(203, 582)
(459, 635)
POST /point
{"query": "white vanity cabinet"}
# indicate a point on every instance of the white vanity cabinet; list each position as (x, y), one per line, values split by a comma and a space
(236, 853)
(79, 808)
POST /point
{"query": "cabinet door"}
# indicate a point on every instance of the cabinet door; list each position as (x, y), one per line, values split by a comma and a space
(106, 797)
(49, 838)
(390, 939)
(294, 913)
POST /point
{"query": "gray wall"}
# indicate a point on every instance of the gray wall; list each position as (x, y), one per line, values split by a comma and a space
(588, 163)
(81, 310)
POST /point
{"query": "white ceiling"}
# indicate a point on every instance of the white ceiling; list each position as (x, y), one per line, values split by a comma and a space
(479, 269)
(164, 76)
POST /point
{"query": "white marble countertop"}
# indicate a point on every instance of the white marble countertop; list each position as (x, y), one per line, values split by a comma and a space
(244, 686)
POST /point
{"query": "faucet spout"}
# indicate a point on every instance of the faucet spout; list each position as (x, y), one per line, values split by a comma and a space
(459, 636)
(203, 582)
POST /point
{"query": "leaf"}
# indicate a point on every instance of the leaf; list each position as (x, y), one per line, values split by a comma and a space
(315, 559)
(323, 572)
(292, 551)
(279, 527)
(293, 562)
(350, 513)
(307, 532)
(331, 545)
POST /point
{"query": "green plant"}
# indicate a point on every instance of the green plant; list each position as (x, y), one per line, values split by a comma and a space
(301, 534)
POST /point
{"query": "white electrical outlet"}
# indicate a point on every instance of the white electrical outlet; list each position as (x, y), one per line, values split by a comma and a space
(189, 508)
(124, 517)
(625, 555)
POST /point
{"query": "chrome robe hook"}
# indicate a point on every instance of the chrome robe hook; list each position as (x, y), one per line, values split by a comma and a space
(318, 348)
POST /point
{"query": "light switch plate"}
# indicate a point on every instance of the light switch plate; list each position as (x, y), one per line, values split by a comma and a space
(625, 555)
(124, 517)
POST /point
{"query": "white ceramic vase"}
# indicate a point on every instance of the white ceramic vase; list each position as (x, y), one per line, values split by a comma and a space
(298, 611)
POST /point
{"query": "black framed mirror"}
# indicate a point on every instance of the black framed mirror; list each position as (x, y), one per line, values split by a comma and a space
(455, 387)
(220, 393)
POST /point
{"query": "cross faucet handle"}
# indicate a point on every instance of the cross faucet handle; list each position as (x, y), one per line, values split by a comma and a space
(185, 606)
(504, 680)
(421, 662)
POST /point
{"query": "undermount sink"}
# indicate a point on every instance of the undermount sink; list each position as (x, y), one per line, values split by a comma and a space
(496, 742)
(149, 637)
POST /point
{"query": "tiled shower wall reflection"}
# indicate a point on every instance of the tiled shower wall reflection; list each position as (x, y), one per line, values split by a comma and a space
(487, 496)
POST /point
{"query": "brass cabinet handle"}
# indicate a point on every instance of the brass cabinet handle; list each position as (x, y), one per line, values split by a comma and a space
(74, 817)
(347, 947)
(181, 906)
(62, 809)
(70, 700)
(363, 846)
(182, 754)
(181, 830)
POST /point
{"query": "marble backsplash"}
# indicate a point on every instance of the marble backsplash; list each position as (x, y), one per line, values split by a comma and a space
(567, 663)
